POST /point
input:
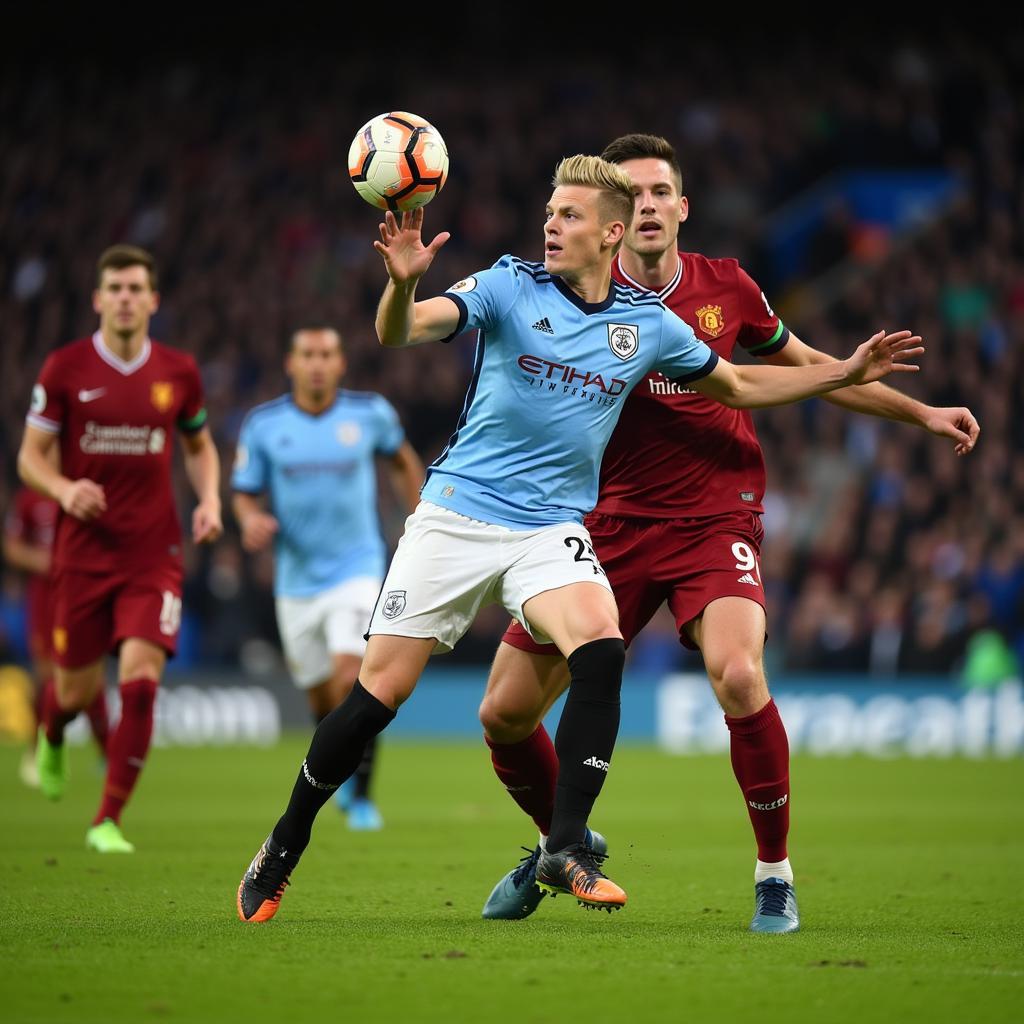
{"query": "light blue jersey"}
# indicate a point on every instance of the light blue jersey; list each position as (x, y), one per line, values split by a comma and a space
(320, 476)
(549, 381)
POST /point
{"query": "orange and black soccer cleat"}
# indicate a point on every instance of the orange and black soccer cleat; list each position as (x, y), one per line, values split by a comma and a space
(259, 894)
(576, 870)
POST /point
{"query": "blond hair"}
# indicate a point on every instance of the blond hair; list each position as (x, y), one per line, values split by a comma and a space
(613, 183)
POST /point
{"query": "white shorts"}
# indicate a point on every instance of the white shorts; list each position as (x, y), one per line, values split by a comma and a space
(317, 627)
(447, 567)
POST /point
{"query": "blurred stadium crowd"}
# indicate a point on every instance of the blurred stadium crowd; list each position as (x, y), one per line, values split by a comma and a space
(884, 552)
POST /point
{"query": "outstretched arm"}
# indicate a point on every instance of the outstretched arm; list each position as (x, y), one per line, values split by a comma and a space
(401, 320)
(754, 387)
(878, 399)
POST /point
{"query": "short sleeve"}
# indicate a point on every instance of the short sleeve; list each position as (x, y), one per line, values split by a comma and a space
(251, 471)
(762, 333)
(484, 299)
(389, 432)
(193, 412)
(683, 356)
(49, 398)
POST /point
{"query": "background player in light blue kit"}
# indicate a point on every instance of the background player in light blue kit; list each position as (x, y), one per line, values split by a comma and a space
(501, 520)
(313, 454)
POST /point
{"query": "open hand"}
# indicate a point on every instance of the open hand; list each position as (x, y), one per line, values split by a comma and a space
(405, 255)
(883, 354)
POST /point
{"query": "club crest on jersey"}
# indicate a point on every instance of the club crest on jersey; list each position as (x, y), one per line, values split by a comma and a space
(60, 640)
(709, 318)
(348, 434)
(161, 394)
(623, 339)
(394, 604)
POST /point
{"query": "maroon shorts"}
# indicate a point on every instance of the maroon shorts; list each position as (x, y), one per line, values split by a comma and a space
(93, 613)
(687, 562)
(39, 618)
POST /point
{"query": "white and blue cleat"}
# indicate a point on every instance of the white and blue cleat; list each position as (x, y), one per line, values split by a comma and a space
(516, 895)
(775, 909)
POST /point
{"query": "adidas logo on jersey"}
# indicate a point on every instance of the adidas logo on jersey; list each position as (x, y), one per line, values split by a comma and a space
(543, 325)
(747, 578)
(596, 762)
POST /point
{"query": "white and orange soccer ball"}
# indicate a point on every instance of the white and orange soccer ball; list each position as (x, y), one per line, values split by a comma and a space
(398, 161)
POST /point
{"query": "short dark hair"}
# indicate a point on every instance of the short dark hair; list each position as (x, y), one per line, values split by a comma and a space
(118, 257)
(643, 147)
(316, 325)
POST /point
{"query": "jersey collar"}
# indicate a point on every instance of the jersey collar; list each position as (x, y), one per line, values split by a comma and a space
(123, 366)
(586, 307)
(664, 292)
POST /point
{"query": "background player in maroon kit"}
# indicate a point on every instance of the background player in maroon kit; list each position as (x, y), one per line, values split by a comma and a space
(678, 520)
(112, 403)
(29, 531)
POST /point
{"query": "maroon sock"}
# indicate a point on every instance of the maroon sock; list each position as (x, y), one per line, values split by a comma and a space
(54, 717)
(126, 751)
(760, 761)
(99, 721)
(528, 770)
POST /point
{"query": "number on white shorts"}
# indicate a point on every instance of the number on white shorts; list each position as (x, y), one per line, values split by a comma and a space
(170, 614)
(745, 558)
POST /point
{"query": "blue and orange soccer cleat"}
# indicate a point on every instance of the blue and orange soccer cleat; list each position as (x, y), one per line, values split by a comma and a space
(516, 895)
(259, 894)
(775, 909)
(576, 870)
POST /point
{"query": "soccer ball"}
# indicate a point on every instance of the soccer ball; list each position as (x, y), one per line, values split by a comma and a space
(398, 161)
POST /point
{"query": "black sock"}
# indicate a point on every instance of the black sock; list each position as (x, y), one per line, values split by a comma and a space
(334, 753)
(586, 736)
(365, 769)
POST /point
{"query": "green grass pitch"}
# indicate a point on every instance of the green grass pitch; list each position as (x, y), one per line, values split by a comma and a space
(908, 875)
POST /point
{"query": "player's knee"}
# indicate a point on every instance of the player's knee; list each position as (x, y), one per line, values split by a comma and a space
(506, 723)
(739, 684)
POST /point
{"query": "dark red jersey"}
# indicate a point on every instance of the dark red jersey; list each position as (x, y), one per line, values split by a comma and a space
(675, 453)
(117, 423)
(32, 518)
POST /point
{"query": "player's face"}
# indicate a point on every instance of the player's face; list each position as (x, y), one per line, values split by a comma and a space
(660, 209)
(125, 301)
(315, 363)
(575, 233)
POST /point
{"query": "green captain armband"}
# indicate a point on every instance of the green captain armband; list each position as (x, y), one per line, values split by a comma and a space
(195, 423)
